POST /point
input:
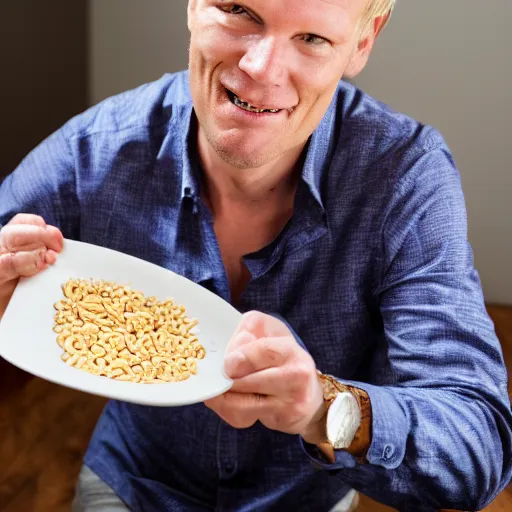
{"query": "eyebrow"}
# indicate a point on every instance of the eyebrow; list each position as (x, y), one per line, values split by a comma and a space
(339, 38)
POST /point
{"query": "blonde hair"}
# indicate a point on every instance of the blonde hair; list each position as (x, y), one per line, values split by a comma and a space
(375, 9)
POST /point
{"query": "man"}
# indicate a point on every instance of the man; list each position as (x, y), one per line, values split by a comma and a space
(339, 223)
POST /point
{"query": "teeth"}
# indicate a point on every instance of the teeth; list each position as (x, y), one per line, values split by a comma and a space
(247, 106)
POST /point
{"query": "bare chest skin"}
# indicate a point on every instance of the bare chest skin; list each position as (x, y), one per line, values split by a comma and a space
(240, 232)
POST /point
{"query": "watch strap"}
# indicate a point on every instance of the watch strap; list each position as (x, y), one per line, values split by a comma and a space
(362, 439)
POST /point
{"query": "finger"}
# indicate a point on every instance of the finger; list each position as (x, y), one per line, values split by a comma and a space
(51, 257)
(256, 325)
(7, 271)
(22, 237)
(240, 410)
(239, 339)
(28, 237)
(29, 263)
(262, 325)
(28, 218)
(54, 239)
(258, 355)
(227, 407)
(14, 265)
(271, 382)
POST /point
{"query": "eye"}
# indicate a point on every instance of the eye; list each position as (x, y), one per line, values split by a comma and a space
(313, 40)
(233, 9)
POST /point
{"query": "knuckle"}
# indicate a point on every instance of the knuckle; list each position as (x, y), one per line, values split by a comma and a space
(17, 218)
(16, 239)
(7, 265)
(4, 233)
(272, 352)
(28, 218)
(13, 237)
(251, 314)
(298, 373)
(250, 319)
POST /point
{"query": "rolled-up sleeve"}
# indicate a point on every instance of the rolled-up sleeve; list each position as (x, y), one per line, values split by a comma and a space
(441, 418)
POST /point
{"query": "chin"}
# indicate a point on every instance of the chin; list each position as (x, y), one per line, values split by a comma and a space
(242, 160)
(243, 156)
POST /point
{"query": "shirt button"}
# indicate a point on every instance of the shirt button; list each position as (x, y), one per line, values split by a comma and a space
(388, 452)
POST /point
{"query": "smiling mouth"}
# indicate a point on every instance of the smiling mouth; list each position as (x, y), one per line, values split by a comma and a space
(244, 105)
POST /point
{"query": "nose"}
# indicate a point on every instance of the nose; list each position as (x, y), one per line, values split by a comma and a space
(264, 61)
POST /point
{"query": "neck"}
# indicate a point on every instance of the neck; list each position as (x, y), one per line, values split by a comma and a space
(273, 183)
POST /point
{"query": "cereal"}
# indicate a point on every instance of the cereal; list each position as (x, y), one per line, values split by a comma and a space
(116, 332)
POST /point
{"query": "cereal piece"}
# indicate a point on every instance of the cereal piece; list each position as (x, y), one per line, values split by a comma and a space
(114, 331)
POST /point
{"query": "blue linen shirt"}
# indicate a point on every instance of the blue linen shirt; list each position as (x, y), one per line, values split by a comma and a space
(373, 273)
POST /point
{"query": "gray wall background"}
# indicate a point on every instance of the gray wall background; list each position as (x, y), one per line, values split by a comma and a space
(449, 63)
(133, 42)
(446, 63)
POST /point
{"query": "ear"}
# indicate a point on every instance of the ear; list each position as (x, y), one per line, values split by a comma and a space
(362, 54)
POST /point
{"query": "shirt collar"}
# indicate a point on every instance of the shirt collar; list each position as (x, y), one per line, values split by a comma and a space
(190, 167)
(319, 149)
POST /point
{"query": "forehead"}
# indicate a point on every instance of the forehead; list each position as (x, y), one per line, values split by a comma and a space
(339, 15)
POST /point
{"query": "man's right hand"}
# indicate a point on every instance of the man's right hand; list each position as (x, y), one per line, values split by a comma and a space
(27, 246)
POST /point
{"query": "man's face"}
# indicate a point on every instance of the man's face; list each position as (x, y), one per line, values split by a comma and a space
(263, 72)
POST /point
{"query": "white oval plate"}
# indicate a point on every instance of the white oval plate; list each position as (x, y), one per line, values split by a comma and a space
(28, 341)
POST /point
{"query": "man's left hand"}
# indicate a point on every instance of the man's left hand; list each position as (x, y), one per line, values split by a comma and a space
(275, 381)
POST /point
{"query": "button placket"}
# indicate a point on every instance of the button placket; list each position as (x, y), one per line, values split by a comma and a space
(226, 451)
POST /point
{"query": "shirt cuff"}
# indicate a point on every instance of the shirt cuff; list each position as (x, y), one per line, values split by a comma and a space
(390, 429)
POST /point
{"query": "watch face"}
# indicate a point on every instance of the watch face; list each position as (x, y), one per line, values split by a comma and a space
(343, 420)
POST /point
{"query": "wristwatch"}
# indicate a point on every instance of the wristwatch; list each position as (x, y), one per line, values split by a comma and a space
(348, 422)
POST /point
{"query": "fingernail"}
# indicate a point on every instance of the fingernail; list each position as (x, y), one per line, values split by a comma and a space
(233, 361)
(50, 258)
(41, 263)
